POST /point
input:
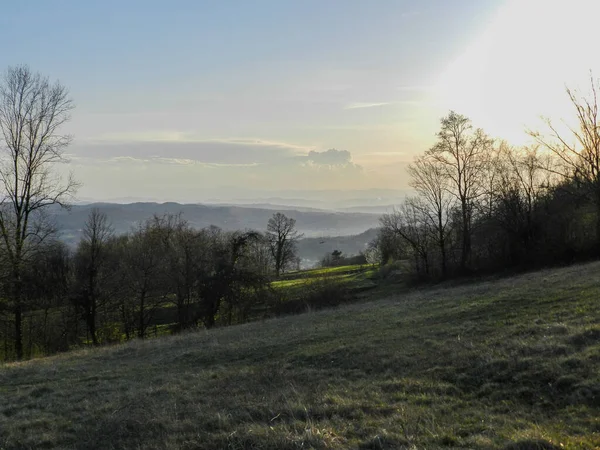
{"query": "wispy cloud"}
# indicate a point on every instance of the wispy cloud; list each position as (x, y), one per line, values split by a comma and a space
(189, 162)
(223, 155)
(226, 152)
(262, 143)
(160, 160)
(359, 105)
(176, 137)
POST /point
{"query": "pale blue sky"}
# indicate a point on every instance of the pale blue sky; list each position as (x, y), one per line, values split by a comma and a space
(175, 99)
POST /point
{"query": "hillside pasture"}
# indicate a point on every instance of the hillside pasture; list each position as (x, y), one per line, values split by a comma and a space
(500, 364)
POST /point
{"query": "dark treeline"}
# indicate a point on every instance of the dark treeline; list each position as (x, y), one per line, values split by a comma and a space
(482, 206)
(164, 272)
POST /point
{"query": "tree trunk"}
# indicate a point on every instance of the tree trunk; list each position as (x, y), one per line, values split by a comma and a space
(30, 332)
(466, 238)
(180, 317)
(18, 310)
(442, 242)
(6, 340)
(46, 343)
(124, 321)
(278, 261)
(444, 263)
(598, 224)
(209, 318)
(466, 249)
(19, 331)
(91, 323)
(141, 330)
(182, 310)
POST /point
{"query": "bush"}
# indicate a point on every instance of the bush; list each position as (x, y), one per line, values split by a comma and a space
(336, 259)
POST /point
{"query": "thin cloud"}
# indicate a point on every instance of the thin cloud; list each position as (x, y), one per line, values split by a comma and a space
(190, 138)
(359, 105)
(161, 160)
(261, 143)
(215, 151)
(321, 160)
(119, 160)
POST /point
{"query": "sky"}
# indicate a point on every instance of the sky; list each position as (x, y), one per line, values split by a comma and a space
(195, 100)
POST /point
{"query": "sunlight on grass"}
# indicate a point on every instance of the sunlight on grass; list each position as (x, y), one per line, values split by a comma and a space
(475, 366)
(352, 277)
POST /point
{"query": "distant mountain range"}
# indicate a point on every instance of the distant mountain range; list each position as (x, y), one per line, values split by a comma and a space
(367, 208)
(313, 223)
(358, 200)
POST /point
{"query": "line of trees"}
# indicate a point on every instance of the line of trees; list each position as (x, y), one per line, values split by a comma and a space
(163, 272)
(482, 205)
(110, 287)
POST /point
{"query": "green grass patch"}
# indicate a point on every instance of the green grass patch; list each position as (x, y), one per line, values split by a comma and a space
(355, 276)
(510, 363)
(323, 271)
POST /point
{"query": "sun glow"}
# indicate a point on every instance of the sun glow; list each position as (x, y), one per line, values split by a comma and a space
(517, 69)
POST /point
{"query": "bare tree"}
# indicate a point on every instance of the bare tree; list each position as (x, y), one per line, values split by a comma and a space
(282, 236)
(145, 261)
(522, 177)
(91, 269)
(32, 112)
(463, 154)
(429, 179)
(373, 254)
(45, 290)
(578, 148)
(259, 252)
(529, 171)
(185, 250)
(411, 224)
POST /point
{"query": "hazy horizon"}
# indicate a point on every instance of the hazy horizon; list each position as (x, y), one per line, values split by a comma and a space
(317, 198)
(190, 101)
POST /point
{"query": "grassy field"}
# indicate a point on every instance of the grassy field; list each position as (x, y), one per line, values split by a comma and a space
(353, 277)
(479, 366)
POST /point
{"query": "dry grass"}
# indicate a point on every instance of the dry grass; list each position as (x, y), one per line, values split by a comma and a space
(479, 366)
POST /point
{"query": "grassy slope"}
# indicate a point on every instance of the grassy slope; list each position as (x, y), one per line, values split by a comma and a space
(353, 276)
(466, 367)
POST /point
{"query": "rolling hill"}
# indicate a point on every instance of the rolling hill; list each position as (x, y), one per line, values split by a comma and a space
(313, 223)
(508, 363)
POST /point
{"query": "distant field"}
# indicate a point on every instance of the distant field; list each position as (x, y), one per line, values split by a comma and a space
(477, 366)
(344, 274)
(322, 271)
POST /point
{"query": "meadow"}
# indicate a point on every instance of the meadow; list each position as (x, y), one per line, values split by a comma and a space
(501, 363)
(354, 277)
